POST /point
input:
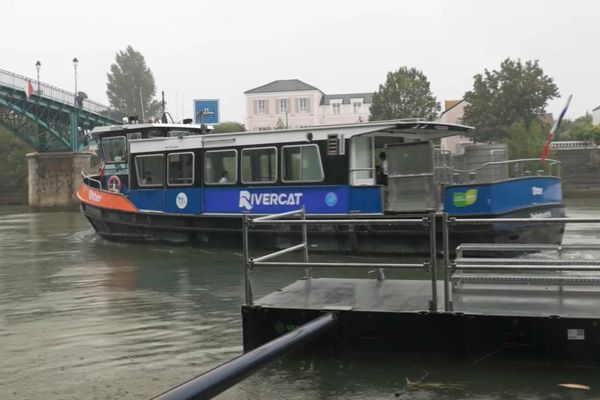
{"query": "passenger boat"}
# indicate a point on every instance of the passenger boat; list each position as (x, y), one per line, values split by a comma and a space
(182, 183)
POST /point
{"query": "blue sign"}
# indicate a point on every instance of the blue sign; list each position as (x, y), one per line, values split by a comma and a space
(206, 112)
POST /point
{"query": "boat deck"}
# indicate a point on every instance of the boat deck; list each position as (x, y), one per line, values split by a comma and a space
(413, 296)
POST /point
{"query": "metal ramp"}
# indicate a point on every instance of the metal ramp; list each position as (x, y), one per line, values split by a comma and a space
(51, 119)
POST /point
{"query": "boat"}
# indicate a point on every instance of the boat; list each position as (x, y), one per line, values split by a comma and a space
(181, 183)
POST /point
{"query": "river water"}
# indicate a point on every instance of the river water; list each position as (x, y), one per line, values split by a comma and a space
(84, 318)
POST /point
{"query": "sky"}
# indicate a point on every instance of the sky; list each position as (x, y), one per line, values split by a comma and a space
(219, 49)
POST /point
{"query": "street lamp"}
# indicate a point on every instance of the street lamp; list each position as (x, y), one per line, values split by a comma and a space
(38, 65)
(75, 63)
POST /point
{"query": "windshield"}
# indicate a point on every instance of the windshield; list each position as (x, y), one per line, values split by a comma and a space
(114, 149)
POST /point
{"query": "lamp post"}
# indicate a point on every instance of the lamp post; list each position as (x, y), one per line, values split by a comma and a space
(75, 63)
(38, 65)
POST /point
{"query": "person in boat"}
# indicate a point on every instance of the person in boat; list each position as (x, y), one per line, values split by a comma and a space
(224, 177)
(147, 178)
(383, 169)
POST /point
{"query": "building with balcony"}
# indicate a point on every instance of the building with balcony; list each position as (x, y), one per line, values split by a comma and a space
(292, 103)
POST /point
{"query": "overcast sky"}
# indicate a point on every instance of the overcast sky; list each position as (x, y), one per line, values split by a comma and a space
(219, 49)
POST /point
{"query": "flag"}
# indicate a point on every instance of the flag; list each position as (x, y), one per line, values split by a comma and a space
(29, 89)
(554, 129)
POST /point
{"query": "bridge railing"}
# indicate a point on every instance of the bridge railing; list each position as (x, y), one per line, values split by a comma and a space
(16, 81)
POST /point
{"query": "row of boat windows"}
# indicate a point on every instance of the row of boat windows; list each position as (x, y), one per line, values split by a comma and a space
(299, 163)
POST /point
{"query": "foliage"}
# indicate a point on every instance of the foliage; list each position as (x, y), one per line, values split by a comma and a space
(526, 140)
(129, 76)
(13, 167)
(229, 126)
(279, 124)
(589, 133)
(573, 129)
(405, 94)
(517, 93)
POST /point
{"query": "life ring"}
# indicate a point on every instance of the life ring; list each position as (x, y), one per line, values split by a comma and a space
(114, 184)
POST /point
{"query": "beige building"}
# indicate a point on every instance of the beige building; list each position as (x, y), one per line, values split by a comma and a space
(454, 110)
(294, 104)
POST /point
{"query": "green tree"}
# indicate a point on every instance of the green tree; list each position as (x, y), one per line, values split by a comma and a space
(572, 129)
(13, 168)
(130, 78)
(229, 126)
(279, 124)
(518, 92)
(405, 94)
(527, 139)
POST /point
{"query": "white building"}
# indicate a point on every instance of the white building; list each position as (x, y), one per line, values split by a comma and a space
(596, 116)
(454, 111)
(293, 104)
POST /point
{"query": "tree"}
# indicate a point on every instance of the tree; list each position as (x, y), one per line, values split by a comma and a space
(405, 94)
(518, 92)
(229, 126)
(526, 140)
(130, 78)
(13, 168)
(572, 129)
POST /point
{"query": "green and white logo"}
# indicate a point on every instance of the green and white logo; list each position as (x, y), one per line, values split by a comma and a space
(464, 199)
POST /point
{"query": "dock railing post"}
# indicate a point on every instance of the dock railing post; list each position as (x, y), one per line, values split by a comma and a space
(433, 261)
(307, 270)
(446, 244)
(247, 261)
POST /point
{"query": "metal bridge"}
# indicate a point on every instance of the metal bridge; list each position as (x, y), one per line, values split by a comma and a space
(50, 119)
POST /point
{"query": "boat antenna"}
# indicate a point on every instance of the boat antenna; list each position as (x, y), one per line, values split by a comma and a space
(163, 119)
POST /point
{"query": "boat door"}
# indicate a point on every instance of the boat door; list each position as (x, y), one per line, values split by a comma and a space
(411, 185)
(362, 161)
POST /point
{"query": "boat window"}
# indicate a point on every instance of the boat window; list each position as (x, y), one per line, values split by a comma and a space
(362, 166)
(180, 169)
(259, 165)
(301, 164)
(150, 170)
(220, 167)
(114, 149)
(134, 135)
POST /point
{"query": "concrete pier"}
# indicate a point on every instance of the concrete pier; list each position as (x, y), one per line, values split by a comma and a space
(54, 178)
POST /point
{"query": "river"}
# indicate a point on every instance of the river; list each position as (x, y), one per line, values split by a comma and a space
(85, 318)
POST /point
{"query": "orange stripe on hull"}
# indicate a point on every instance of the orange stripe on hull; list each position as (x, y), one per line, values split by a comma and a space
(104, 199)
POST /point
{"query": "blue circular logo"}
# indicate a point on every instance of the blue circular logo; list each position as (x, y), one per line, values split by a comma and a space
(331, 199)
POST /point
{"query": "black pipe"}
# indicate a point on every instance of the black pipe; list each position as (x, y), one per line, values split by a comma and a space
(223, 377)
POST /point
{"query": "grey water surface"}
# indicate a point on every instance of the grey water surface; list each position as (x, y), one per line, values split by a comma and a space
(85, 318)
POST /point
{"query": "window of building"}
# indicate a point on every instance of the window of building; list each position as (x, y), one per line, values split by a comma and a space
(303, 105)
(336, 108)
(261, 106)
(150, 170)
(259, 165)
(283, 105)
(301, 163)
(180, 169)
(356, 107)
(220, 167)
(114, 149)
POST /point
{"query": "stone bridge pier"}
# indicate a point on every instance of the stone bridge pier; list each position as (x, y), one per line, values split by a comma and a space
(55, 177)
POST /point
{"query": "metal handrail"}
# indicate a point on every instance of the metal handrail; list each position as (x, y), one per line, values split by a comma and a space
(16, 81)
(279, 219)
(90, 179)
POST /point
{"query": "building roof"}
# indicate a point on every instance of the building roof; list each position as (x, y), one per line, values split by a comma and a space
(347, 97)
(285, 85)
(597, 108)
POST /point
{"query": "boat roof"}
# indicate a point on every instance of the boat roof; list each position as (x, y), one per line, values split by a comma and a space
(101, 130)
(412, 129)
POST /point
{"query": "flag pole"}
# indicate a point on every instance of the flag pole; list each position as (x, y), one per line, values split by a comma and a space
(555, 127)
